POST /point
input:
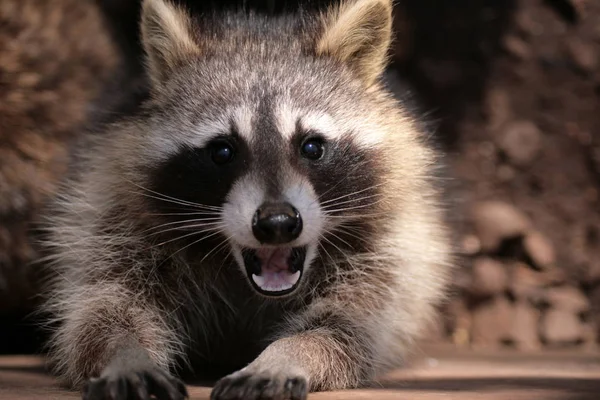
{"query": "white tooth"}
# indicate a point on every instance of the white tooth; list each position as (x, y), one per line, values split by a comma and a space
(259, 280)
(293, 279)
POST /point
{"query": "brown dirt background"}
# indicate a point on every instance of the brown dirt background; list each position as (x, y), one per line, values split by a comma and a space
(512, 88)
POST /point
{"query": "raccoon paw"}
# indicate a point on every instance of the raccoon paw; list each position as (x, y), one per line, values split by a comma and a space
(244, 385)
(138, 385)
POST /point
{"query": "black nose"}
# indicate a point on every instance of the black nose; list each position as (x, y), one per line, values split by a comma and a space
(276, 223)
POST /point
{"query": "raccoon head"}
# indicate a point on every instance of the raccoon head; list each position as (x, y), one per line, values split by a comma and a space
(263, 136)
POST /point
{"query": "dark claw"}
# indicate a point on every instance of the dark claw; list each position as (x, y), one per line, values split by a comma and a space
(163, 387)
(255, 391)
(94, 389)
(270, 390)
(217, 391)
(298, 389)
(182, 389)
(246, 386)
(135, 386)
(138, 388)
(117, 388)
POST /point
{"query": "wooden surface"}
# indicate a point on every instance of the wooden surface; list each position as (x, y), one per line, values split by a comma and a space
(437, 374)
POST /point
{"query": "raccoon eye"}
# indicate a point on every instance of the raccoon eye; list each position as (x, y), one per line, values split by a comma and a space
(221, 152)
(312, 149)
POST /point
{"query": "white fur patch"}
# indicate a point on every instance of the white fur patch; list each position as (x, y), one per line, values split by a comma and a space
(243, 118)
(247, 194)
(166, 140)
(361, 130)
(243, 200)
(300, 193)
(285, 119)
(320, 122)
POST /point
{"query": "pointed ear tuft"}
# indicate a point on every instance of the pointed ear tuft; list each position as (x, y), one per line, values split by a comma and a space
(166, 36)
(358, 33)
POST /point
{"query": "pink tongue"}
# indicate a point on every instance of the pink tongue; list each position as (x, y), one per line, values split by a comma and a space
(275, 274)
(274, 260)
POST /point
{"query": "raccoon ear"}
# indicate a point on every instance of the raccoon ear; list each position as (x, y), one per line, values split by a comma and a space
(166, 36)
(358, 33)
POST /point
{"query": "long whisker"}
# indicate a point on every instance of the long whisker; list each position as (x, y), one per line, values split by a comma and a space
(347, 231)
(351, 217)
(326, 252)
(351, 194)
(334, 263)
(229, 254)
(331, 232)
(174, 199)
(351, 201)
(207, 213)
(191, 244)
(354, 207)
(334, 186)
(210, 226)
(190, 234)
(215, 249)
(189, 221)
(333, 244)
(194, 243)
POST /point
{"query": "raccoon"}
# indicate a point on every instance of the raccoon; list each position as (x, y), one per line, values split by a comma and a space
(271, 214)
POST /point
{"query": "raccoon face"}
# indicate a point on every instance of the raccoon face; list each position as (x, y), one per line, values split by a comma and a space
(255, 152)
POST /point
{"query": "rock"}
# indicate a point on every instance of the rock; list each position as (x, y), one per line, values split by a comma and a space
(595, 302)
(489, 278)
(491, 323)
(567, 298)
(572, 11)
(520, 141)
(590, 335)
(595, 314)
(459, 322)
(443, 73)
(592, 276)
(505, 173)
(527, 24)
(461, 280)
(517, 47)
(524, 327)
(528, 284)
(561, 328)
(539, 249)
(495, 221)
(591, 195)
(470, 245)
(583, 55)
(497, 107)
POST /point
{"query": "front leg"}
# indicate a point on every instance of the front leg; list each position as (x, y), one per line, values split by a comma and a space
(330, 355)
(114, 344)
(131, 374)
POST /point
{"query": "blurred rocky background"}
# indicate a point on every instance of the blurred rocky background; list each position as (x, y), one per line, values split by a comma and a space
(515, 87)
(56, 58)
(512, 87)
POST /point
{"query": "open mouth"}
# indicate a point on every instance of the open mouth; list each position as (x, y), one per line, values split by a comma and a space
(274, 271)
